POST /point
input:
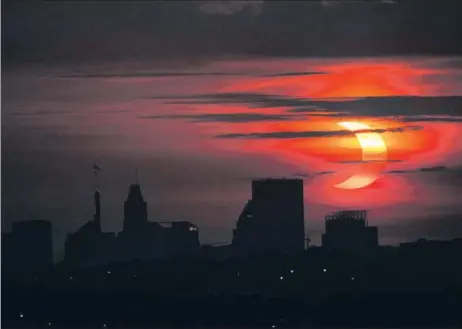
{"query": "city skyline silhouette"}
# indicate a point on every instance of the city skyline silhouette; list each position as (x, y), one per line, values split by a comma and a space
(231, 163)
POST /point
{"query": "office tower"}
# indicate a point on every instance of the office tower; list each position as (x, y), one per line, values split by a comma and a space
(273, 220)
(135, 210)
(349, 230)
(30, 244)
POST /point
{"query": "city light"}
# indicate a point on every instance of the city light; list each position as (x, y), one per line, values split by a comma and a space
(324, 269)
(21, 315)
(292, 271)
(282, 278)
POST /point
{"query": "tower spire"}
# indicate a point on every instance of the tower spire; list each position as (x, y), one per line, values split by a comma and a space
(97, 199)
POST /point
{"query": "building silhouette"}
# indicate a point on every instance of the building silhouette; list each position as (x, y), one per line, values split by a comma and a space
(273, 219)
(89, 245)
(135, 210)
(349, 230)
(142, 239)
(183, 239)
(29, 244)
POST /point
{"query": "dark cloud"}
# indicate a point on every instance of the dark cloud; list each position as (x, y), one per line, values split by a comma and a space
(312, 134)
(149, 75)
(230, 7)
(224, 117)
(423, 169)
(292, 74)
(368, 106)
(418, 118)
(368, 161)
(84, 31)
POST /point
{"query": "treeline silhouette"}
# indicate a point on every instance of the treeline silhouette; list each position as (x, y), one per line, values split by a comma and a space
(417, 284)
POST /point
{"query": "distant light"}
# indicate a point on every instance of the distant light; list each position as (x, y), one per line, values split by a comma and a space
(292, 271)
(49, 323)
(352, 278)
(134, 275)
(70, 278)
(104, 325)
(282, 278)
(237, 273)
(324, 269)
(273, 326)
(108, 272)
(21, 315)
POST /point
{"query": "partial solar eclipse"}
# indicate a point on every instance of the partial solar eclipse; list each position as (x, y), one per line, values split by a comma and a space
(374, 151)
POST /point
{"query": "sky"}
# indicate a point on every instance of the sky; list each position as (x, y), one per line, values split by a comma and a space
(203, 97)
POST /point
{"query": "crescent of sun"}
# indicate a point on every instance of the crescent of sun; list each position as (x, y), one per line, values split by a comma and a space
(373, 148)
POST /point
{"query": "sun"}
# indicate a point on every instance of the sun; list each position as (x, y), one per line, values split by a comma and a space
(374, 151)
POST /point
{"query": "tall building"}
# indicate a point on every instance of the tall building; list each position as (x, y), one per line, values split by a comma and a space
(30, 244)
(135, 210)
(89, 245)
(273, 220)
(349, 230)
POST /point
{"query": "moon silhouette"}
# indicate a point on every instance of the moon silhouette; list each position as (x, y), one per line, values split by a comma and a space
(374, 150)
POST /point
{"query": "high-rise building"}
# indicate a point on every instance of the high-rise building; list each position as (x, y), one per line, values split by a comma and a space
(273, 220)
(30, 244)
(349, 230)
(135, 210)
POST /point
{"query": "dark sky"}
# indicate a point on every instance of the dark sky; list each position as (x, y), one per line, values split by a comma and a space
(103, 30)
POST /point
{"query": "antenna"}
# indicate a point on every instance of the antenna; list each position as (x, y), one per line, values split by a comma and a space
(96, 169)
(136, 175)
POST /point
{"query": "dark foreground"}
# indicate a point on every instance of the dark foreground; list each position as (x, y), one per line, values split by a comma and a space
(390, 288)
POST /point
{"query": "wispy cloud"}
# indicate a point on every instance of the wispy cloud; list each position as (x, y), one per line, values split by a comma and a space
(369, 161)
(224, 117)
(408, 106)
(423, 169)
(148, 75)
(312, 134)
(292, 74)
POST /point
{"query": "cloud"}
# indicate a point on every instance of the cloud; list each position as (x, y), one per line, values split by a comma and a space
(224, 117)
(148, 75)
(230, 7)
(423, 169)
(419, 118)
(312, 134)
(368, 106)
(369, 161)
(291, 74)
